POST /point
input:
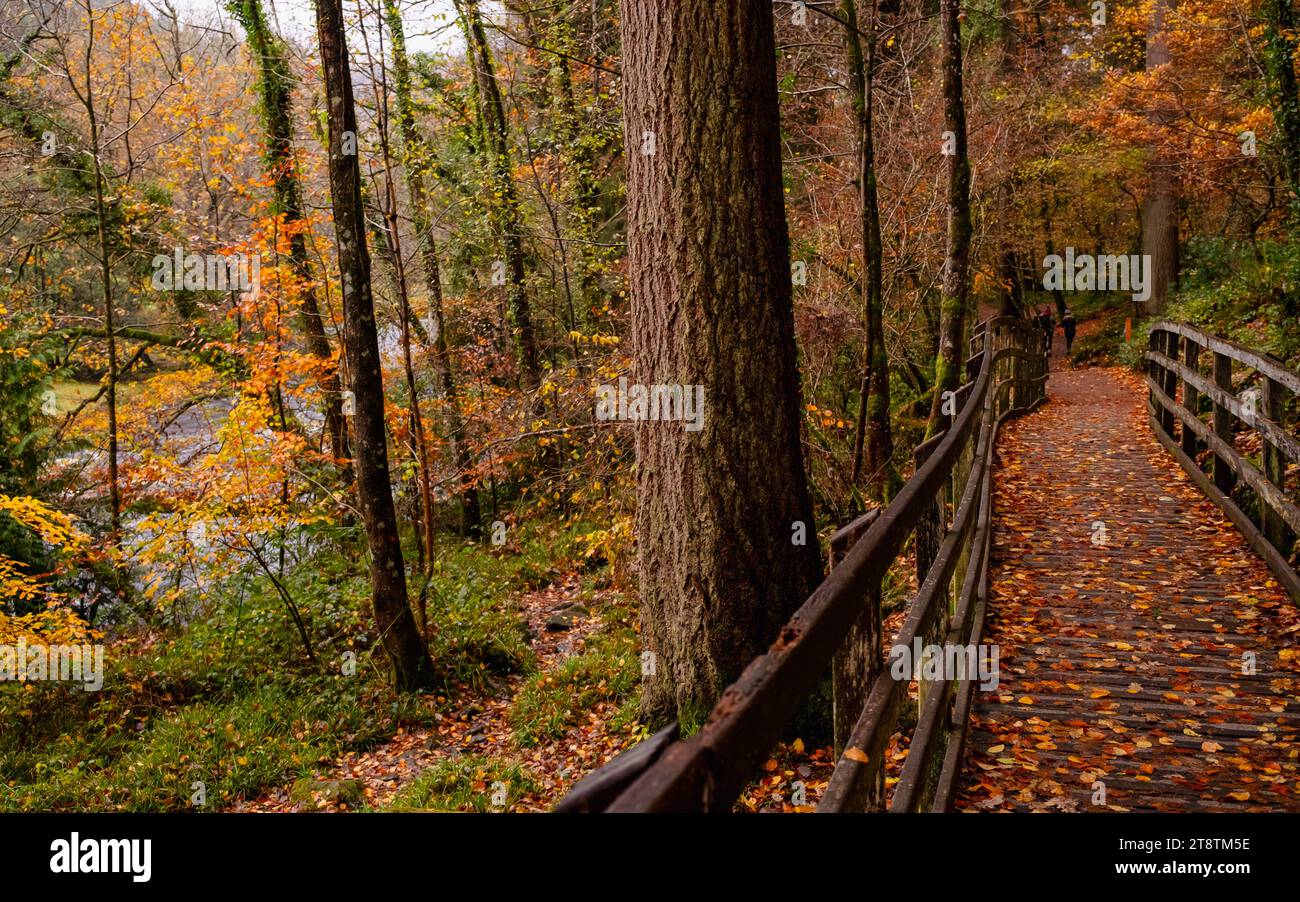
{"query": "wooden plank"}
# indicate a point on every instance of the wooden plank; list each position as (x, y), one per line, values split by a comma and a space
(1224, 474)
(946, 785)
(1289, 579)
(858, 659)
(1191, 397)
(1153, 366)
(845, 537)
(1266, 365)
(1271, 430)
(1274, 412)
(596, 790)
(1169, 380)
(929, 528)
(864, 753)
(1239, 466)
(929, 740)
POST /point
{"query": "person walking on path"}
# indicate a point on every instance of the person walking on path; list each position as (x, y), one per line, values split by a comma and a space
(1045, 325)
(1068, 325)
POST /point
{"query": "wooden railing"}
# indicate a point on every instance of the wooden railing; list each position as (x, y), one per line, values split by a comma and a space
(1193, 375)
(945, 506)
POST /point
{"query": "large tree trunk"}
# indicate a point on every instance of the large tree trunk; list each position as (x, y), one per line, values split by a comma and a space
(709, 272)
(275, 86)
(956, 264)
(414, 161)
(1160, 209)
(412, 667)
(506, 215)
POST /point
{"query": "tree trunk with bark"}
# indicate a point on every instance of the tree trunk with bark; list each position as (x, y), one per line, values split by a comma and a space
(956, 265)
(412, 667)
(275, 86)
(874, 407)
(506, 213)
(722, 510)
(415, 160)
(579, 147)
(1160, 209)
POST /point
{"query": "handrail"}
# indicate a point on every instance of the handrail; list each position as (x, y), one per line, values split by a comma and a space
(707, 771)
(1253, 496)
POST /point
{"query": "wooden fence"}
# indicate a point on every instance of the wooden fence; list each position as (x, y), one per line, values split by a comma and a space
(945, 507)
(1207, 396)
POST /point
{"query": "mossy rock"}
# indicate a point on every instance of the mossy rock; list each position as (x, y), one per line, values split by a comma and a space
(309, 790)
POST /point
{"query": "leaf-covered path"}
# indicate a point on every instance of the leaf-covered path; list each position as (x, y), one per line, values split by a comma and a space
(1124, 605)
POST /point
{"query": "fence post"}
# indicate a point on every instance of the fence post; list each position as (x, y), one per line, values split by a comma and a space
(1191, 397)
(928, 537)
(928, 528)
(1224, 478)
(1169, 383)
(1154, 343)
(1274, 408)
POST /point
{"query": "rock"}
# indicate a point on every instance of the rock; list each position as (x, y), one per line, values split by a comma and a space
(349, 793)
(565, 616)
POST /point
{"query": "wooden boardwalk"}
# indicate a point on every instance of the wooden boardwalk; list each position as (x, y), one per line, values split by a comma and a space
(1126, 608)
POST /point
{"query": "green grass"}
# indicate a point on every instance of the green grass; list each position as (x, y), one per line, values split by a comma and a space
(466, 783)
(149, 762)
(222, 692)
(608, 669)
(230, 702)
(479, 635)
